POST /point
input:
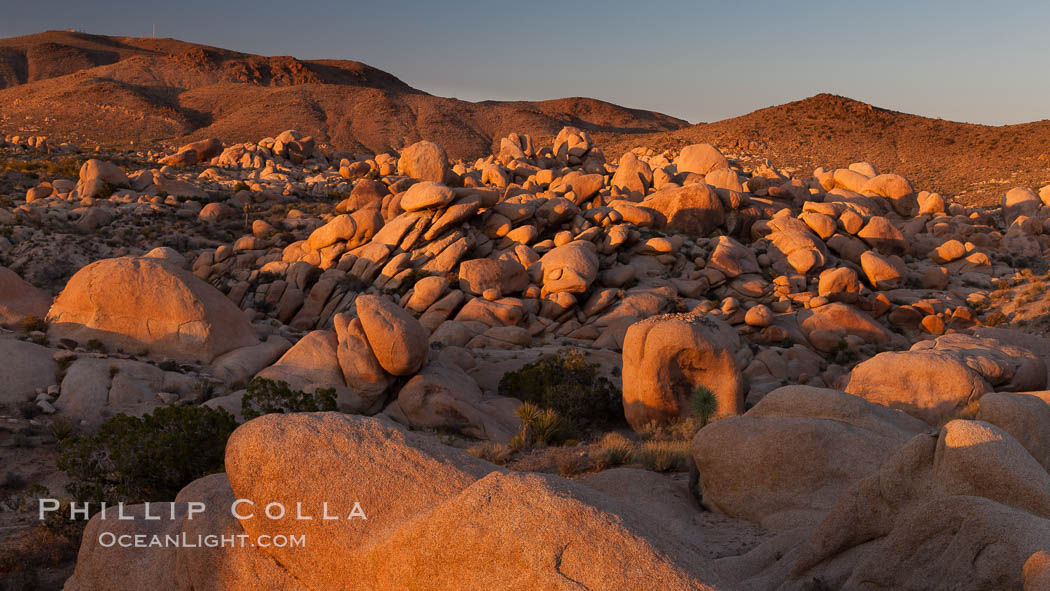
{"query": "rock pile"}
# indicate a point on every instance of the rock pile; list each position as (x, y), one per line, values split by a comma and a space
(865, 417)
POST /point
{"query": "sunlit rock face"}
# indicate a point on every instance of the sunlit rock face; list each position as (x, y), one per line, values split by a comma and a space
(142, 304)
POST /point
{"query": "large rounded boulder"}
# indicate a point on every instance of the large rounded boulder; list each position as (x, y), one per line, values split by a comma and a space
(96, 175)
(399, 341)
(897, 190)
(700, 159)
(144, 304)
(665, 358)
(19, 299)
(692, 209)
(425, 161)
(937, 379)
(785, 462)
(1025, 416)
(568, 268)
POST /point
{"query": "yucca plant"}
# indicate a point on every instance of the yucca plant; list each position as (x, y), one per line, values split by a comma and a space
(542, 426)
(703, 403)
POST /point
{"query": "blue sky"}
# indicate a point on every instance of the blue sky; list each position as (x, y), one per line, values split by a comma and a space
(981, 62)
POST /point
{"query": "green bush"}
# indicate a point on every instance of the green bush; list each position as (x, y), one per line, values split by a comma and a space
(106, 191)
(267, 396)
(566, 383)
(151, 458)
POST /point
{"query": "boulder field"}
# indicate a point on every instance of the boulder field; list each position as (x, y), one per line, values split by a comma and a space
(858, 366)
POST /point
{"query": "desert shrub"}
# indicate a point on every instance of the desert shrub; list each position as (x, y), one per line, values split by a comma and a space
(66, 168)
(96, 346)
(614, 450)
(241, 186)
(267, 396)
(541, 427)
(677, 430)
(566, 383)
(150, 458)
(33, 324)
(491, 452)
(994, 318)
(106, 191)
(703, 404)
(266, 277)
(684, 429)
(664, 456)
(654, 430)
(570, 462)
(29, 410)
(22, 438)
(24, 555)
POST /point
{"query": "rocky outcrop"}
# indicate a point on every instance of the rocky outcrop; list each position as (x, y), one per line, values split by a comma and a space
(937, 379)
(350, 464)
(961, 489)
(786, 462)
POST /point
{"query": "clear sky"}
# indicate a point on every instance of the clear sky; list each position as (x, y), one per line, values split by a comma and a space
(983, 62)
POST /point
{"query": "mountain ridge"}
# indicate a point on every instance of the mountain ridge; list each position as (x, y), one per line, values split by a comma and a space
(119, 90)
(159, 92)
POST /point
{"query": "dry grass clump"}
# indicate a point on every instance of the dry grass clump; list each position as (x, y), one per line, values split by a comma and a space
(495, 453)
(681, 430)
(614, 450)
(664, 456)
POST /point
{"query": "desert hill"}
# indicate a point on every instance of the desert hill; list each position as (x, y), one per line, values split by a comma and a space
(974, 163)
(119, 90)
